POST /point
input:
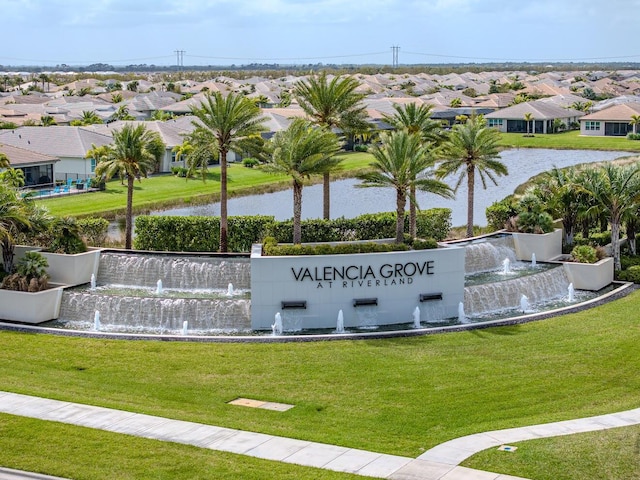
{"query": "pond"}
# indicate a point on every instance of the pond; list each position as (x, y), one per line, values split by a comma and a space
(347, 200)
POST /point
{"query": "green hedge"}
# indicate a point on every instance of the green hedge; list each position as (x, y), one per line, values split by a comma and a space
(201, 234)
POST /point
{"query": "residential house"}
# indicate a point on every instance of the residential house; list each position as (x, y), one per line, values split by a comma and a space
(38, 168)
(68, 144)
(613, 121)
(511, 119)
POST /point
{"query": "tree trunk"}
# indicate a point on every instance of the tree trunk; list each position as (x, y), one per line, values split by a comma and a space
(326, 196)
(401, 202)
(128, 229)
(413, 216)
(615, 243)
(223, 201)
(8, 249)
(297, 212)
(471, 182)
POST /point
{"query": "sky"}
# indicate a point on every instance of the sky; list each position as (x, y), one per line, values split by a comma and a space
(226, 32)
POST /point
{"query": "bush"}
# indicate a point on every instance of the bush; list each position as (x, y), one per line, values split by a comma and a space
(584, 254)
(633, 136)
(250, 162)
(31, 274)
(359, 147)
(201, 234)
(499, 213)
(326, 249)
(631, 274)
(93, 230)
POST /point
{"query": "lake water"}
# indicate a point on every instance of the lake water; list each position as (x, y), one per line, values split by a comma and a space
(349, 201)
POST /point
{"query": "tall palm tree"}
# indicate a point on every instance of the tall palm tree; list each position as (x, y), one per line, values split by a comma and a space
(90, 118)
(231, 122)
(182, 151)
(47, 120)
(615, 193)
(300, 151)
(134, 151)
(472, 148)
(401, 162)
(416, 119)
(331, 104)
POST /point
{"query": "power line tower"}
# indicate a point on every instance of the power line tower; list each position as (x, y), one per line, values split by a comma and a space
(394, 50)
(179, 59)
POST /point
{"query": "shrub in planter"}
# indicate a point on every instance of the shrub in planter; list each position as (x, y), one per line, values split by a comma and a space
(93, 230)
(531, 217)
(584, 254)
(631, 274)
(31, 274)
(499, 213)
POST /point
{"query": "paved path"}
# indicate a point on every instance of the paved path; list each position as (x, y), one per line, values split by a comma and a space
(439, 463)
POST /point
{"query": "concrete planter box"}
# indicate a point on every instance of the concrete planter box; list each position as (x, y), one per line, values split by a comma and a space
(590, 276)
(30, 308)
(546, 246)
(72, 269)
(369, 288)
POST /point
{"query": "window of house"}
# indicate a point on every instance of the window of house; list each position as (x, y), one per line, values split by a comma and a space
(495, 122)
(93, 165)
(590, 125)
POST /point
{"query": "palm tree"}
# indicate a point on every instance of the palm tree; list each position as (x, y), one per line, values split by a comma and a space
(528, 117)
(416, 119)
(230, 122)
(300, 151)
(47, 120)
(116, 97)
(615, 193)
(90, 118)
(4, 161)
(134, 151)
(331, 104)
(635, 121)
(455, 102)
(401, 162)
(183, 151)
(14, 217)
(472, 147)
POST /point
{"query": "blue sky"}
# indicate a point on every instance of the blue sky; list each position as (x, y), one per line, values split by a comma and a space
(224, 32)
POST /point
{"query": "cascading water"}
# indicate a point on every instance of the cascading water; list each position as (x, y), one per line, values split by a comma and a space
(497, 296)
(489, 254)
(175, 272)
(142, 303)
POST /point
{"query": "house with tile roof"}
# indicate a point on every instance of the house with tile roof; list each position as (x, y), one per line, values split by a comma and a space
(511, 119)
(38, 168)
(613, 121)
(68, 144)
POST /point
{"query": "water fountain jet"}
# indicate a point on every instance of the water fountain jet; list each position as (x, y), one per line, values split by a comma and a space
(230, 290)
(159, 287)
(462, 318)
(93, 281)
(571, 293)
(185, 326)
(524, 303)
(506, 266)
(416, 318)
(276, 328)
(533, 259)
(340, 323)
(96, 321)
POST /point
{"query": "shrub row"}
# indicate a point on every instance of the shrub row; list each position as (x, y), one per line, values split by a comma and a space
(201, 234)
(271, 247)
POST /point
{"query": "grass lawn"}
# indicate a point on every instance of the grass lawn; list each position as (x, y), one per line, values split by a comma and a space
(398, 396)
(617, 457)
(165, 191)
(569, 141)
(86, 454)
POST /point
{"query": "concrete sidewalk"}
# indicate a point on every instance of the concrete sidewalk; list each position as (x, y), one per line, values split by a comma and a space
(439, 463)
(258, 445)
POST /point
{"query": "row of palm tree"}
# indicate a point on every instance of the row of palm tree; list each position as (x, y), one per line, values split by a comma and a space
(405, 160)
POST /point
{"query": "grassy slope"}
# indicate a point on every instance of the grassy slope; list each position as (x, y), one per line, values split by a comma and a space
(166, 190)
(569, 140)
(397, 396)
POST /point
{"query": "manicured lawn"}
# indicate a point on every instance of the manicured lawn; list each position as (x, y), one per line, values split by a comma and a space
(399, 396)
(164, 191)
(87, 454)
(616, 456)
(569, 140)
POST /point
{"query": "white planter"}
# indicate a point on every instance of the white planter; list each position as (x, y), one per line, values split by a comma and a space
(590, 276)
(31, 308)
(72, 269)
(546, 246)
